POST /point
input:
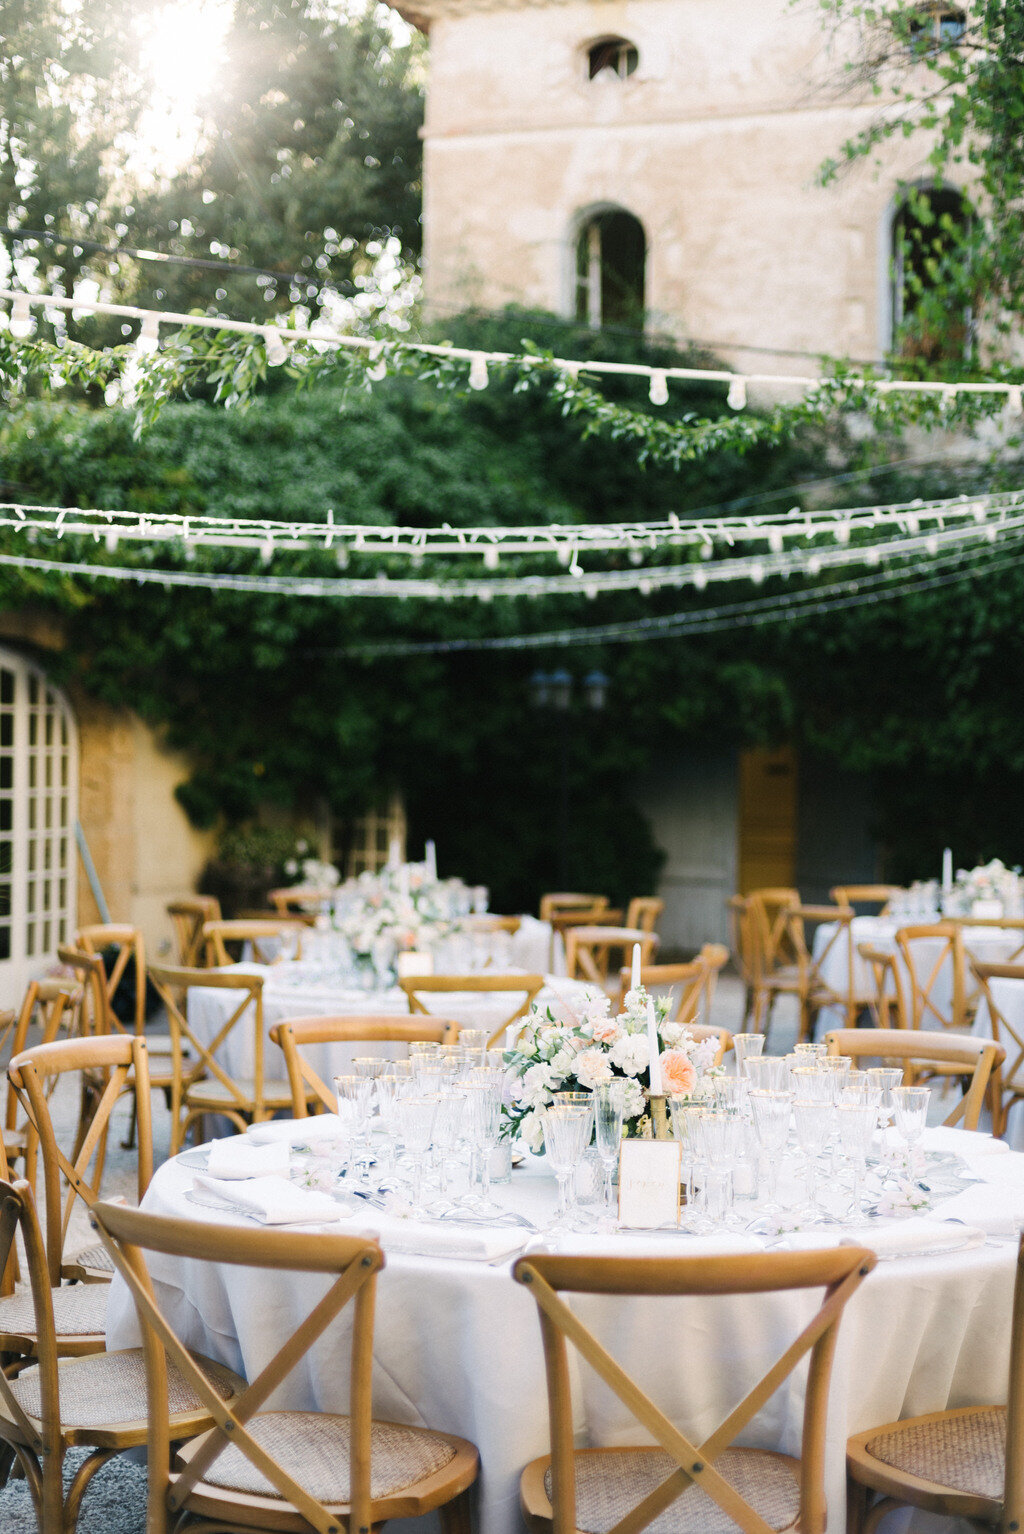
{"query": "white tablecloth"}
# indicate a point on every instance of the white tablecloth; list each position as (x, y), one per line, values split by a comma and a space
(209, 1009)
(458, 1343)
(990, 944)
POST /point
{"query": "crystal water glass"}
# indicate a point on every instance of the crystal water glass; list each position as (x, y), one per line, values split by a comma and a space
(609, 1104)
(483, 1117)
(416, 1121)
(887, 1077)
(357, 1093)
(567, 1125)
(474, 1039)
(856, 1127)
(771, 1114)
(910, 1105)
(767, 1073)
(811, 1084)
(812, 1120)
(448, 1122)
(686, 1118)
(811, 1048)
(745, 1046)
(719, 1132)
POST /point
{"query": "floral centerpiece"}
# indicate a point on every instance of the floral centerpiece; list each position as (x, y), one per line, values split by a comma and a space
(402, 906)
(570, 1050)
(309, 872)
(990, 885)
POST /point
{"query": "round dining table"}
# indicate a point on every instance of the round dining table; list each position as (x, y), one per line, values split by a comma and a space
(457, 1343)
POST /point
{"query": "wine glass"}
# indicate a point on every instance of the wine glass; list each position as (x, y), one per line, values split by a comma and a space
(416, 1119)
(812, 1119)
(567, 1126)
(857, 1121)
(609, 1103)
(483, 1113)
(771, 1111)
(451, 1110)
(357, 1092)
(911, 1108)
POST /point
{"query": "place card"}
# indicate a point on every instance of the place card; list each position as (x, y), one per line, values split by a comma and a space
(649, 1183)
(414, 962)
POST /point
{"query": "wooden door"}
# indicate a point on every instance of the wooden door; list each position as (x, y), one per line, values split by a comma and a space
(767, 818)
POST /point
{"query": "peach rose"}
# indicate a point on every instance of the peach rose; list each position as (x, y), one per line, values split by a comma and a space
(605, 1030)
(677, 1073)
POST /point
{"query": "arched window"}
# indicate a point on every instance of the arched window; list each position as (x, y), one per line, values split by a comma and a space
(38, 810)
(925, 229)
(611, 253)
(612, 57)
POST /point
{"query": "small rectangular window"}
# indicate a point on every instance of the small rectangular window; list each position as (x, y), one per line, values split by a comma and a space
(6, 686)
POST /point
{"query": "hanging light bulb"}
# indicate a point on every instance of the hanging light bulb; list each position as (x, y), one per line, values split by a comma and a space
(659, 387)
(1014, 402)
(737, 396)
(478, 371)
(21, 323)
(813, 565)
(700, 578)
(267, 551)
(491, 557)
(148, 339)
(277, 352)
(932, 544)
(379, 369)
(757, 574)
(775, 540)
(111, 540)
(842, 532)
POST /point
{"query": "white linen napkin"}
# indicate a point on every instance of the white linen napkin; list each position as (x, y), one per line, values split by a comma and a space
(321, 1126)
(972, 1145)
(276, 1201)
(905, 1237)
(235, 1158)
(446, 1239)
(995, 1208)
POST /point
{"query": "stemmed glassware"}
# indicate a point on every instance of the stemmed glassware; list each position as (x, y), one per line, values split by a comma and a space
(771, 1112)
(416, 1121)
(746, 1046)
(483, 1125)
(567, 1125)
(857, 1121)
(609, 1102)
(448, 1122)
(357, 1093)
(911, 1108)
(812, 1119)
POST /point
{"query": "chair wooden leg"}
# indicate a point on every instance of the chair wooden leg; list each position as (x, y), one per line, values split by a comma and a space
(80, 1484)
(856, 1506)
(129, 1141)
(454, 1515)
(877, 1513)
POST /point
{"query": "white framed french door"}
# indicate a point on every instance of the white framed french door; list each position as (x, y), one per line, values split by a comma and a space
(38, 809)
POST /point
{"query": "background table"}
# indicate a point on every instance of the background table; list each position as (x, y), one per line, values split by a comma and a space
(458, 1345)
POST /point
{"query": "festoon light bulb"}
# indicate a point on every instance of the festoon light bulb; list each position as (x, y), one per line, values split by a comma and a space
(148, 339)
(737, 396)
(277, 352)
(21, 323)
(379, 368)
(659, 387)
(1014, 402)
(478, 378)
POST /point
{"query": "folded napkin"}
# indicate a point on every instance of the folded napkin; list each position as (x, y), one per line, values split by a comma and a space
(323, 1126)
(276, 1201)
(995, 1208)
(972, 1146)
(236, 1158)
(447, 1239)
(905, 1237)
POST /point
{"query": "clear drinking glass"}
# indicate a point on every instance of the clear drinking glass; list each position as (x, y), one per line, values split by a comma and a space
(812, 1119)
(767, 1073)
(887, 1077)
(911, 1108)
(771, 1112)
(609, 1101)
(567, 1128)
(357, 1092)
(416, 1120)
(483, 1119)
(856, 1126)
(745, 1046)
(448, 1121)
(812, 1084)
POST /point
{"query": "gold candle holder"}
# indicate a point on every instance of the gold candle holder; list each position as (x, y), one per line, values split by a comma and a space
(657, 1105)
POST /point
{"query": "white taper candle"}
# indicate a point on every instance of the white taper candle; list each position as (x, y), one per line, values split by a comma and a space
(634, 979)
(655, 1047)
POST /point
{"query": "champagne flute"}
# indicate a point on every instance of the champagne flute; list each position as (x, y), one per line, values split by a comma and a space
(609, 1102)
(416, 1118)
(567, 1128)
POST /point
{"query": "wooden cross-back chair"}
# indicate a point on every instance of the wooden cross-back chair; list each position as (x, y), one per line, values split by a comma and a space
(692, 985)
(567, 904)
(866, 894)
(927, 950)
(774, 965)
(588, 950)
(283, 1470)
(97, 1401)
(814, 989)
(298, 1033)
(301, 903)
(924, 1053)
(1007, 1032)
(888, 1006)
(965, 1463)
(51, 1003)
(189, 916)
(643, 912)
(488, 921)
(416, 987)
(118, 945)
(202, 1086)
(573, 1489)
(262, 937)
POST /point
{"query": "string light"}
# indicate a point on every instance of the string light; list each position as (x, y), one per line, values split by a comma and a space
(277, 352)
(21, 324)
(478, 371)
(659, 387)
(148, 339)
(736, 399)
(1014, 401)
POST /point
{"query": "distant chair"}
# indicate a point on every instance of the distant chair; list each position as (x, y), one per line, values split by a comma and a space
(878, 895)
(588, 950)
(973, 1059)
(189, 916)
(489, 922)
(692, 985)
(562, 911)
(742, 940)
(643, 912)
(526, 986)
(302, 904)
(297, 1033)
(888, 1007)
(264, 939)
(1007, 1031)
(53, 1003)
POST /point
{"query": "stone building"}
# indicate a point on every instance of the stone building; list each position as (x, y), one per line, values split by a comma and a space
(655, 163)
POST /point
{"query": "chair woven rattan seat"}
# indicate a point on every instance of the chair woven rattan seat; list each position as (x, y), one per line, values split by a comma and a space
(95, 1258)
(111, 1387)
(313, 1448)
(79, 1310)
(276, 1094)
(962, 1450)
(610, 1482)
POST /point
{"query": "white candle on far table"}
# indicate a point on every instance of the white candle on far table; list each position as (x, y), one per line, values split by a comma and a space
(430, 858)
(947, 870)
(655, 1048)
(403, 882)
(634, 979)
(394, 852)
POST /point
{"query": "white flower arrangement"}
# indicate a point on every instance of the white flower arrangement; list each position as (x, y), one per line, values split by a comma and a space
(992, 883)
(562, 1049)
(401, 905)
(309, 872)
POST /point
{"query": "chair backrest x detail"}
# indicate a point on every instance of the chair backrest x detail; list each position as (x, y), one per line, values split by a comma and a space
(295, 1034)
(119, 945)
(547, 1276)
(909, 1047)
(416, 987)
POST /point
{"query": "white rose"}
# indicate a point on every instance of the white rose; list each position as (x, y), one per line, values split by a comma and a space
(671, 1033)
(537, 1083)
(592, 1068)
(633, 1100)
(631, 1053)
(563, 1062)
(531, 1132)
